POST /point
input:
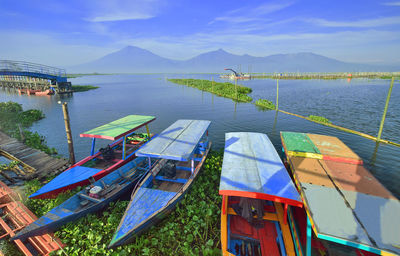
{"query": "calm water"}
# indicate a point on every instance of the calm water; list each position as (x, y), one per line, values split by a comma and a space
(357, 105)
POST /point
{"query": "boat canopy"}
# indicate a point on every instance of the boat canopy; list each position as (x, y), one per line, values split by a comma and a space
(119, 128)
(177, 142)
(344, 202)
(252, 168)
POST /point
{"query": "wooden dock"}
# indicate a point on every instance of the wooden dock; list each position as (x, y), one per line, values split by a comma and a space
(33, 163)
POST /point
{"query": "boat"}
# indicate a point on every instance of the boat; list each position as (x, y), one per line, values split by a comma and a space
(347, 211)
(45, 92)
(14, 216)
(180, 151)
(27, 91)
(256, 191)
(91, 199)
(103, 162)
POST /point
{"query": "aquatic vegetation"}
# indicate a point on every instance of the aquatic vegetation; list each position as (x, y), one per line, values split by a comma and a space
(14, 121)
(42, 206)
(227, 90)
(83, 88)
(266, 104)
(193, 228)
(320, 119)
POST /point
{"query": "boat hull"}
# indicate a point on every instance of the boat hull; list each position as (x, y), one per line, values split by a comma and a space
(52, 191)
(51, 223)
(160, 214)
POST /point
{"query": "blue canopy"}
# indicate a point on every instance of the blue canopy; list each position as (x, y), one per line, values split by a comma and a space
(252, 168)
(177, 142)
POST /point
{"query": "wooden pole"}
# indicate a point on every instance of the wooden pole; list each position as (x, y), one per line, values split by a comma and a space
(69, 135)
(385, 110)
(277, 93)
(236, 88)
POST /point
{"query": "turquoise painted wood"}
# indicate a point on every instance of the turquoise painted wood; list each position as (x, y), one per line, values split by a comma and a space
(252, 168)
(309, 231)
(177, 142)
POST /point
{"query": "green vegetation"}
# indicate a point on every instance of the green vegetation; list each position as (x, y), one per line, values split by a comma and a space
(14, 121)
(265, 104)
(193, 228)
(320, 119)
(83, 88)
(226, 89)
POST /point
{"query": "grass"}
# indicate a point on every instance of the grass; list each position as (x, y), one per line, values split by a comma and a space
(265, 104)
(193, 228)
(12, 118)
(320, 119)
(83, 88)
(227, 90)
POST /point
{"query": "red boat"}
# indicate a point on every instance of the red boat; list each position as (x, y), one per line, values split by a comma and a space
(100, 163)
(45, 92)
(256, 192)
(14, 217)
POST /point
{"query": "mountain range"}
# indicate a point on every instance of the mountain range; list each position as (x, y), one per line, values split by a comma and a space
(133, 59)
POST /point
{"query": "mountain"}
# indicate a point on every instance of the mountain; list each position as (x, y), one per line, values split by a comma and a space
(133, 59)
(130, 59)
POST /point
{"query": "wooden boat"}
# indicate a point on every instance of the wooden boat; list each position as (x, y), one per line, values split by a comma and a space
(183, 145)
(256, 191)
(347, 210)
(91, 199)
(45, 92)
(27, 91)
(14, 216)
(100, 163)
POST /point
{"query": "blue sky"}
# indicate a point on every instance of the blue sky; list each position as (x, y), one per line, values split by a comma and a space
(65, 33)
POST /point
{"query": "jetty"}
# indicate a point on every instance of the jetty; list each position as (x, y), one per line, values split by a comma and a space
(27, 76)
(32, 163)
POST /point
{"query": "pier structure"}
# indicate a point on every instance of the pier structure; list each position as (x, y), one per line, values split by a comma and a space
(31, 76)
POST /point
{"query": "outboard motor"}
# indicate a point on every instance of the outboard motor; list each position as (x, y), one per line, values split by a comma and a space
(107, 153)
(169, 169)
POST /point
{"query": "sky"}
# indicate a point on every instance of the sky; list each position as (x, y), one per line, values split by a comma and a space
(66, 33)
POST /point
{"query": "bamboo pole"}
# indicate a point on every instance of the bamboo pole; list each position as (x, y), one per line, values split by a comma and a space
(68, 131)
(385, 110)
(277, 93)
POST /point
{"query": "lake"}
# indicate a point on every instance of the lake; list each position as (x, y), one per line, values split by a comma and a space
(357, 105)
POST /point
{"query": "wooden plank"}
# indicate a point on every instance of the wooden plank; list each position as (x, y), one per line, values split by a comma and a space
(119, 128)
(331, 215)
(351, 177)
(177, 142)
(379, 216)
(309, 170)
(334, 148)
(298, 142)
(252, 168)
(158, 144)
(184, 145)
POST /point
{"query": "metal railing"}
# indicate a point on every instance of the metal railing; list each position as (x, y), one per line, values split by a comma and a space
(23, 66)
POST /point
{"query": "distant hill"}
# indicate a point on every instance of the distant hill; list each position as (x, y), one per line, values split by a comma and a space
(133, 59)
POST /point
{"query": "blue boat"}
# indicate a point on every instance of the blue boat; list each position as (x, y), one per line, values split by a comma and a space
(92, 199)
(180, 151)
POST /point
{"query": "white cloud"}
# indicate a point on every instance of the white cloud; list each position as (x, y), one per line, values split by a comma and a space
(368, 23)
(392, 4)
(247, 14)
(118, 10)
